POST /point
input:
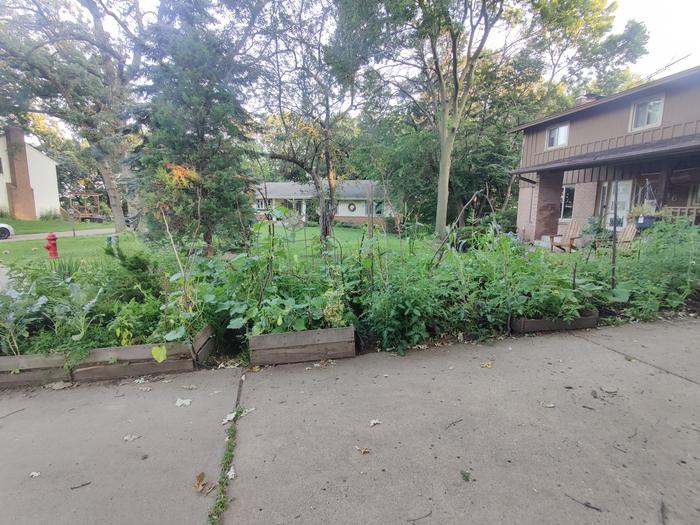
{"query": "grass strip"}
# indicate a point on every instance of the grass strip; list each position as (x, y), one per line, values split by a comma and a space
(221, 502)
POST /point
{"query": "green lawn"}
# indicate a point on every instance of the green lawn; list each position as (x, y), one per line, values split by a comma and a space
(81, 248)
(50, 225)
(303, 243)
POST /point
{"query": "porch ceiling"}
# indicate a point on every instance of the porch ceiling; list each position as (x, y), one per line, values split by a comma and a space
(659, 149)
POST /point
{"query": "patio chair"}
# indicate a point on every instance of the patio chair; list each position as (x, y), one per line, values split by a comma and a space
(567, 240)
(624, 238)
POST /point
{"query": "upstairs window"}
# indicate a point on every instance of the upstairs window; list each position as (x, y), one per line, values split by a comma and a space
(647, 113)
(558, 136)
(567, 201)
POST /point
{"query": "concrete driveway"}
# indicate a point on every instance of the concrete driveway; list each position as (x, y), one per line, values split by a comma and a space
(600, 426)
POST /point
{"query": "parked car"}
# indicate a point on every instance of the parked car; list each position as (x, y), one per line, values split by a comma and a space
(6, 231)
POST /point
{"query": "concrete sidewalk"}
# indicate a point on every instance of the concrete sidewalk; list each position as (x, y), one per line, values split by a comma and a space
(600, 426)
(89, 474)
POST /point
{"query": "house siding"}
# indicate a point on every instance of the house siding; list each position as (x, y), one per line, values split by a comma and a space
(607, 127)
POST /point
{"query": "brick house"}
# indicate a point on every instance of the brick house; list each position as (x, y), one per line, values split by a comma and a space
(28, 181)
(645, 140)
(356, 199)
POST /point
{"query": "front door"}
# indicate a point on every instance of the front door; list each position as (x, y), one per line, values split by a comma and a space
(624, 200)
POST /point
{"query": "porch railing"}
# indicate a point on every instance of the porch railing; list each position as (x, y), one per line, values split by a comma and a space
(683, 211)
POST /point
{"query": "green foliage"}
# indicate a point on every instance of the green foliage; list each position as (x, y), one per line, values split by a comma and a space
(190, 164)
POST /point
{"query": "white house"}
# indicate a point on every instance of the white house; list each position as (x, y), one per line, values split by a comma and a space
(28, 181)
(356, 199)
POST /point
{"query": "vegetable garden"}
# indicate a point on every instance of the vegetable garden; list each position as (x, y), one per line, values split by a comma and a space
(395, 291)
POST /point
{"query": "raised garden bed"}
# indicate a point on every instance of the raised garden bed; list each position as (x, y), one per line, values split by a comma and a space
(106, 363)
(297, 347)
(20, 370)
(589, 319)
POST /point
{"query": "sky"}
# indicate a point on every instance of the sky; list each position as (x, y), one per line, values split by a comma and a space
(673, 33)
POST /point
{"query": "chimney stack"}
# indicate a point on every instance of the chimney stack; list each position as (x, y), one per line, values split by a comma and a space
(20, 195)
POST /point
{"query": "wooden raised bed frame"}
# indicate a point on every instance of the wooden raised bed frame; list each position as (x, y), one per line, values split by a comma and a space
(297, 347)
(588, 319)
(106, 363)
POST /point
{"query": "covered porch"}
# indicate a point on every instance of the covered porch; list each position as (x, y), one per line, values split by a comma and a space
(577, 189)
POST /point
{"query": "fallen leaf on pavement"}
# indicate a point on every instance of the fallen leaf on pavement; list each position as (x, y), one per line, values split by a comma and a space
(466, 476)
(183, 402)
(131, 437)
(34, 474)
(140, 380)
(547, 405)
(362, 450)
(374, 422)
(486, 364)
(200, 482)
(229, 417)
(189, 387)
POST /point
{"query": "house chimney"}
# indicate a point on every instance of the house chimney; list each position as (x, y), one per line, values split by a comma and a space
(20, 195)
(586, 98)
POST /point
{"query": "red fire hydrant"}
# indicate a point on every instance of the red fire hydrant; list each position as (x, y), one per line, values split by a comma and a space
(51, 245)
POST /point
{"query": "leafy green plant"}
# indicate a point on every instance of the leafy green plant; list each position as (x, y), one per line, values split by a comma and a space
(18, 311)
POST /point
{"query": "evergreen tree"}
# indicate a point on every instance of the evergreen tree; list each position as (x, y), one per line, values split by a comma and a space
(189, 167)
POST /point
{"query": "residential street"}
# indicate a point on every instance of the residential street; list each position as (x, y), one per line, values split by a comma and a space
(599, 426)
(60, 235)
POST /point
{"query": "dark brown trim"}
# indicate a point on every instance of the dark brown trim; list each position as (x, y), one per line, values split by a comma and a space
(682, 146)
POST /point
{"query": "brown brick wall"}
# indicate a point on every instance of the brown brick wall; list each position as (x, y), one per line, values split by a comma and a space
(20, 194)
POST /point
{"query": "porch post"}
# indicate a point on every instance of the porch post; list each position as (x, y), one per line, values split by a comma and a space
(548, 203)
(664, 176)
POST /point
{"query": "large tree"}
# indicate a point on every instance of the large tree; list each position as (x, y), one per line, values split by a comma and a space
(310, 102)
(189, 166)
(429, 52)
(58, 57)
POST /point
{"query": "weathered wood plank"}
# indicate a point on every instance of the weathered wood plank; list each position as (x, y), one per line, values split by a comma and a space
(520, 325)
(202, 338)
(39, 376)
(29, 362)
(205, 351)
(120, 370)
(134, 353)
(297, 347)
(307, 337)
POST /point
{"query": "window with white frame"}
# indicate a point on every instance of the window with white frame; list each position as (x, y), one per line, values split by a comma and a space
(558, 136)
(647, 113)
(694, 195)
(567, 201)
(260, 204)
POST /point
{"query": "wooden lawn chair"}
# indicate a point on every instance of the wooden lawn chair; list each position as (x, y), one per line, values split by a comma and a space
(567, 240)
(624, 238)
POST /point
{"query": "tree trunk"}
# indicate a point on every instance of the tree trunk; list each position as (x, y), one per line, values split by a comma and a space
(513, 178)
(208, 240)
(447, 141)
(115, 200)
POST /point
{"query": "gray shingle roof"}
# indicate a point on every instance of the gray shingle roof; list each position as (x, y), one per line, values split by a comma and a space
(346, 190)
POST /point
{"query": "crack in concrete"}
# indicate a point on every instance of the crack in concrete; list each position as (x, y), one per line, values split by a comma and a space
(630, 356)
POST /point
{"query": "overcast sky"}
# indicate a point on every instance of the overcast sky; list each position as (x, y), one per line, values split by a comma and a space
(673, 32)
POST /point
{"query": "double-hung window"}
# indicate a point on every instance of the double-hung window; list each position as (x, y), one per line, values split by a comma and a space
(567, 201)
(647, 113)
(557, 136)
